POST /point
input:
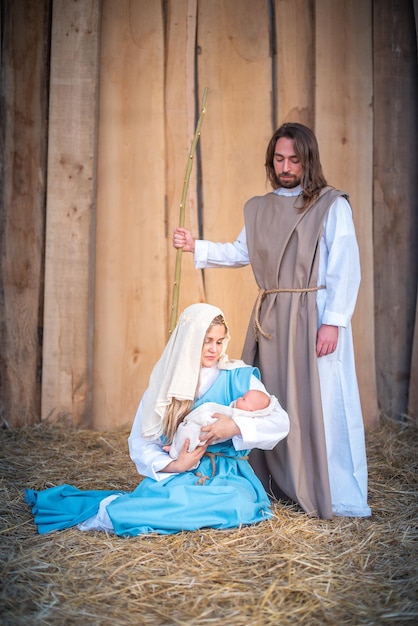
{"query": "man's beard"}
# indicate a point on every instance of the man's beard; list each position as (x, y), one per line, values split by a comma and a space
(290, 182)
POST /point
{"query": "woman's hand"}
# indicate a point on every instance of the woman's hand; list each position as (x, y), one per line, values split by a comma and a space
(223, 428)
(186, 459)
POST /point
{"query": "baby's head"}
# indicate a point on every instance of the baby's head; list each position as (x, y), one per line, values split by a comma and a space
(253, 400)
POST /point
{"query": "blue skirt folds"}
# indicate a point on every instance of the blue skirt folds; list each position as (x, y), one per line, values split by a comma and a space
(223, 492)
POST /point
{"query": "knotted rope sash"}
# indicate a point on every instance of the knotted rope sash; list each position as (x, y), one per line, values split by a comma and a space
(262, 293)
(202, 478)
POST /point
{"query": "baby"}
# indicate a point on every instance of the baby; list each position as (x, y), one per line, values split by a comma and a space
(255, 401)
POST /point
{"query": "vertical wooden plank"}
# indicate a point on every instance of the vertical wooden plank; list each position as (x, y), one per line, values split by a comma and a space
(69, 254)
(180, 101)
(413, 387)
(24, 83)
(295, 61)
(344, 127)
(395, 191)
(131, 276)
(235, 64)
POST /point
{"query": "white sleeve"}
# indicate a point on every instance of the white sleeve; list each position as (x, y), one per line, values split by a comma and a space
(147, 454)
(210, 254)
(341, 266)
(261, 432)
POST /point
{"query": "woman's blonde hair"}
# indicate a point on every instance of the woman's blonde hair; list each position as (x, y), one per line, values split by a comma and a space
(178, 409)
(175, 414)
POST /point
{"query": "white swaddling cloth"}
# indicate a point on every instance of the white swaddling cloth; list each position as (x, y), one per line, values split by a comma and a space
(192, 424)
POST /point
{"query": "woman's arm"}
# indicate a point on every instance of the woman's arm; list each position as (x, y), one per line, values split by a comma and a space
(250, 431)
(150, 457)
(224, 428)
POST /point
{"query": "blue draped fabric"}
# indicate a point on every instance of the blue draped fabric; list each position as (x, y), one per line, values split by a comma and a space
(63, 506)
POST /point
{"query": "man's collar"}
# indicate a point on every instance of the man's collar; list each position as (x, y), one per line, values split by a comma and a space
(295, 191)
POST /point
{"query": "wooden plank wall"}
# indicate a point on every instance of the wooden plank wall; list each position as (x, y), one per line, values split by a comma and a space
(127, 79)
(344, 127)
(180, 103)
(412, 409)
(131, 291)
(294, 65)
(70, 223)
(234, 61)
(395, 199)
(24, 91)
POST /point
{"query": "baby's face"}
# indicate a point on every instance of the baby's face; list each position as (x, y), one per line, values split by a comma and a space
(252, 401)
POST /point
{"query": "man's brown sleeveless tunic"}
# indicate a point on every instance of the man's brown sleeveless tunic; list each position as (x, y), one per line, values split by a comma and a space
(283, 246)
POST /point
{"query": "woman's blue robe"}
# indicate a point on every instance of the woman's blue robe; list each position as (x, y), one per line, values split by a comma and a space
(223, 492)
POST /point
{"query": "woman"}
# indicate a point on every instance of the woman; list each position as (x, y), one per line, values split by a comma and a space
(223, 491)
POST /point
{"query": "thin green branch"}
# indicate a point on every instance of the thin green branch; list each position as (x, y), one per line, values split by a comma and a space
(177, 271)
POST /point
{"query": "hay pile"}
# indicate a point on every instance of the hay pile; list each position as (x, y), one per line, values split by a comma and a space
(287, 571)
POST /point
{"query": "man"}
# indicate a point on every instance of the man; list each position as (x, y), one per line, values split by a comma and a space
(301, 243)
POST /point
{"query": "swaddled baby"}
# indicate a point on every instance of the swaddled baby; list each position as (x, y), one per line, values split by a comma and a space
(253, 401)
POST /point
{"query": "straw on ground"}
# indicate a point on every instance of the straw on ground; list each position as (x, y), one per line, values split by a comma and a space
(290, 570)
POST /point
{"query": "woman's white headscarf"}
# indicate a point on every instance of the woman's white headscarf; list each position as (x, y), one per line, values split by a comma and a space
(176, 374)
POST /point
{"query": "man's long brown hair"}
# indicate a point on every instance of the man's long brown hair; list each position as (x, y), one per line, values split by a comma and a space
(307, 151)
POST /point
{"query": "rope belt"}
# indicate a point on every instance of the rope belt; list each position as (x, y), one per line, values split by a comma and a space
(262, 293)
(202, 478)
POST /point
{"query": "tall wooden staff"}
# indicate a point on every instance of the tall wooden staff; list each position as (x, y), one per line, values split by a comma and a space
(177, 272)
